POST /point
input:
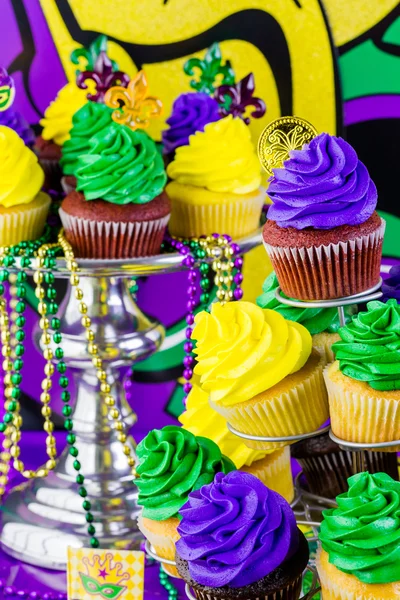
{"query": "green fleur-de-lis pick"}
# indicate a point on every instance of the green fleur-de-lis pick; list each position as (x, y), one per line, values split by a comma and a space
(210, 68)
(87, 57)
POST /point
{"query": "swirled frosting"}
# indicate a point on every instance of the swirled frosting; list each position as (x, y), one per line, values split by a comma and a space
(57, 121)
(21, 176)
(88, 121)
(200, 419)
(190, 113)
(316, 320)
(391, 285)
(322, 186)
(243, 350)
(362, 535)
(370, 346)
(121, 166)
(172, 463)
(235, 531)
(221, 158)
(13, 119)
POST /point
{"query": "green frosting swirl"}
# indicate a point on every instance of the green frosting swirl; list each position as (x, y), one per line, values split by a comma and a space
(316, 320)
(362, 535)
(370, 346)
(88, 121)
(172, 463)
(121, 166)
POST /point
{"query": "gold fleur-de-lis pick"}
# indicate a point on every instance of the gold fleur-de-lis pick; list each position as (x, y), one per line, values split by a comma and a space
(132, 105)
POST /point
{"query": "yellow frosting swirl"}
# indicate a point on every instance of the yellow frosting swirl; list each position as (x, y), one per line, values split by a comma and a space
(243, 350)
(200, 419)
(57, 121)
(21, 176)
(221, 158)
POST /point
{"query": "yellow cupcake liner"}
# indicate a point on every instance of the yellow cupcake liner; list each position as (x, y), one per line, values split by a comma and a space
(162, 536)
(322, 342)
(274, 470)
(237, 218)
(357, 416)
(336, 585)
(24, 222)
(300, 409)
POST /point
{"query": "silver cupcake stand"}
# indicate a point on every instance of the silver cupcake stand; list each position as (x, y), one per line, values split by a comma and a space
(307, 506)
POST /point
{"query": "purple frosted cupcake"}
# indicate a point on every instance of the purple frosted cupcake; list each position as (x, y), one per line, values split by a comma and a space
(391, 285)
(239, 539)
(14, 120)
(190, 113)
(323, 235)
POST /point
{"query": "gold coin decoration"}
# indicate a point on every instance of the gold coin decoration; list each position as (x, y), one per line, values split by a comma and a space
(280, 137)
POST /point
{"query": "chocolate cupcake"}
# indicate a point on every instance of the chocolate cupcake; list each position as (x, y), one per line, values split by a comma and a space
(119, 209)
(240, 540)
(327, 468)
(323, 235)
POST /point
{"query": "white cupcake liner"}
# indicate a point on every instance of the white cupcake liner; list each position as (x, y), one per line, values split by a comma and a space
(164, 545)
(236, 219)
(102, 239)
(333, 271)
(359, 417)
(24, 223)
(67, 188)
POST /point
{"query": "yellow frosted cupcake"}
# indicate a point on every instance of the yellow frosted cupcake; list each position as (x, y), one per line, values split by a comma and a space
(271, 467)
(172, 463)
(260, 371)
(360, 555)
(364, 382)
(23, 207)
(216, 182)
(57, 123)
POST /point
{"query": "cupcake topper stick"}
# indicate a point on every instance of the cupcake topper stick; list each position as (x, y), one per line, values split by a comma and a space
(7, 90)
(103, 78)
(133, 107)
(280, 137)
(234, 99)
(210, 68)
(91, 54)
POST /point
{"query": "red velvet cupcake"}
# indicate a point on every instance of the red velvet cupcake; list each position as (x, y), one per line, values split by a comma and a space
(119, 209)
(323, 235)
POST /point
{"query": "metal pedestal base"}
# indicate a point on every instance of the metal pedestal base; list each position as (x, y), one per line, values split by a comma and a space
(43, 517)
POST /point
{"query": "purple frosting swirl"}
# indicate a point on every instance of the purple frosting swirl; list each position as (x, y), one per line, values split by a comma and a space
(391, 285)
(322, 186)
(190, 113)
(235, 531)
(14, 120)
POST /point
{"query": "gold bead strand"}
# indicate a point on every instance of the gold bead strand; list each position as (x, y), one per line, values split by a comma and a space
(105, 388)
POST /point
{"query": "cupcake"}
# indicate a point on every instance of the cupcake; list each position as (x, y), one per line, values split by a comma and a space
(272, 468)
(390, 285)
(322, 323)
(88, 121)
(240, 540)
(364, 382)
(23, 207)
(172, 463)
(360, 539)
(14, 120)
(57, 123)
(216, 182)
(190, 113)
(326, 467)
(260, 371)
(323, 235)
(119, 209)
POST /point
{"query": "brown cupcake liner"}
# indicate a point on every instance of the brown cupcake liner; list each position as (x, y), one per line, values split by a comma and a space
(102, 239)
(326, 475)
(333, 271)
(53, 173)
(291, 592)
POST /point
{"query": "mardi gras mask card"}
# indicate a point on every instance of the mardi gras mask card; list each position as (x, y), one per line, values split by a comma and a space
(105, 574)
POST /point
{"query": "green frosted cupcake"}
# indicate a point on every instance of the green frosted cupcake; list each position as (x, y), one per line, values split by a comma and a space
(322, 323)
